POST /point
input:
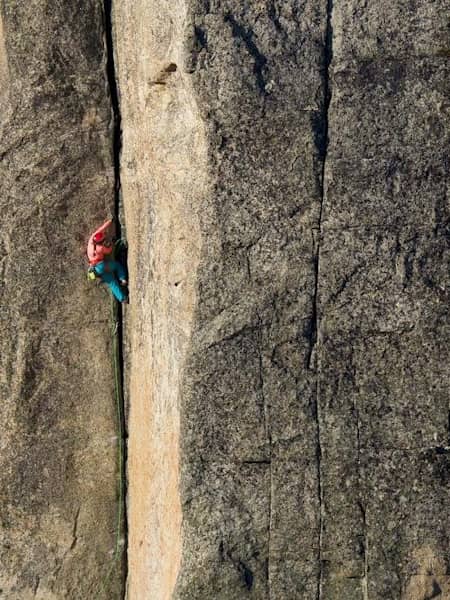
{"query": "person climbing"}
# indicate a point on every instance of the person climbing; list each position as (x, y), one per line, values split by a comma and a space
(103, 265)
(98, 248)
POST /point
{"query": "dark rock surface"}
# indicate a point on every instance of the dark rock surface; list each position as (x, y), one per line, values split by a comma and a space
(383, 297)
(284, 187)
(58, 448)
(250, 484)
(314, 425)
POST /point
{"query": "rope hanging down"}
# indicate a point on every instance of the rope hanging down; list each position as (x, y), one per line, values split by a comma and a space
(120, 418)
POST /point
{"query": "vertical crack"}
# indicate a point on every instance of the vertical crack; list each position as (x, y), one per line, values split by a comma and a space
(448, 429)
(115, 104)
(116, 152)
(364, 545)
(260, 61)
(365, 580)
(36, 586)
(323, 141)
(268, 433)
(75, 529)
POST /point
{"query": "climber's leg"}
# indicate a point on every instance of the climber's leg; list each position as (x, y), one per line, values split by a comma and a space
(119, 292)
(118, 269)
(108, 271)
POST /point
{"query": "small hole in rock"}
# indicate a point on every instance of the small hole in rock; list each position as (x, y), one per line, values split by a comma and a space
(171, 68)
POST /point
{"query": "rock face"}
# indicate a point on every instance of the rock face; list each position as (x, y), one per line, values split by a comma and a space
(58, 447)
(250, 465)
(163, 174)
(383, 297)
(284, 188)
(284, 196)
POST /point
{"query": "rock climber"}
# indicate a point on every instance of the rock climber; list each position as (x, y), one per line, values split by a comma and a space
(102, 264)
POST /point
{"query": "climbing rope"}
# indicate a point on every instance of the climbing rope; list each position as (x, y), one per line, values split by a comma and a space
(118, 396)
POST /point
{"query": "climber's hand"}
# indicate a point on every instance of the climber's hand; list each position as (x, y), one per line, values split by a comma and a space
(123, 282)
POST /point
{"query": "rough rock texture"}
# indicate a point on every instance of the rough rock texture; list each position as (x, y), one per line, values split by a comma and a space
(58, 450)
(163, 168)
(255, 294)
(289, 295)
(383, 296)
(284, 189)
(250, 484)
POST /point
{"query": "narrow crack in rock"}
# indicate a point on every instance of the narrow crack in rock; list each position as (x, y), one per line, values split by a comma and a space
(360, 502)
(448, 428)
(117, 148)
(260, 61)
(268, 432)
(75, 530)
(36, 586)
(328, 55)
(365, 580)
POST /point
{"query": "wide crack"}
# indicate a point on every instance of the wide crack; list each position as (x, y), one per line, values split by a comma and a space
(117, 148)
(315, 335)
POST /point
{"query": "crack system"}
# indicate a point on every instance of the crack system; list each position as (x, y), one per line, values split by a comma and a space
(323, 151)
(260, 61)
(116, 151)
(268, 460)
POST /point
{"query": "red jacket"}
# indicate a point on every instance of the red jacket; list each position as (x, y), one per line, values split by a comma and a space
(97, 252)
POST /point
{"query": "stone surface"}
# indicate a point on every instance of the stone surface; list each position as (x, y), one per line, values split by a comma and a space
(221, 175)
(58, 448)
(250, 400)
(285, 200)
(163, 174)
(383, 298)
(294, 386)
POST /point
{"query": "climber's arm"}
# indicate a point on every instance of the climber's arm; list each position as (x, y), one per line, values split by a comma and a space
(103, 227)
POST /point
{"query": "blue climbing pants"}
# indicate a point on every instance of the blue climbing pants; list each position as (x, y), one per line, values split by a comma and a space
(110, 271)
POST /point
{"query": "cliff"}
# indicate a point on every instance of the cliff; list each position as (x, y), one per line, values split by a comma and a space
(283, 180)
(282, 170)
(59, 436)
